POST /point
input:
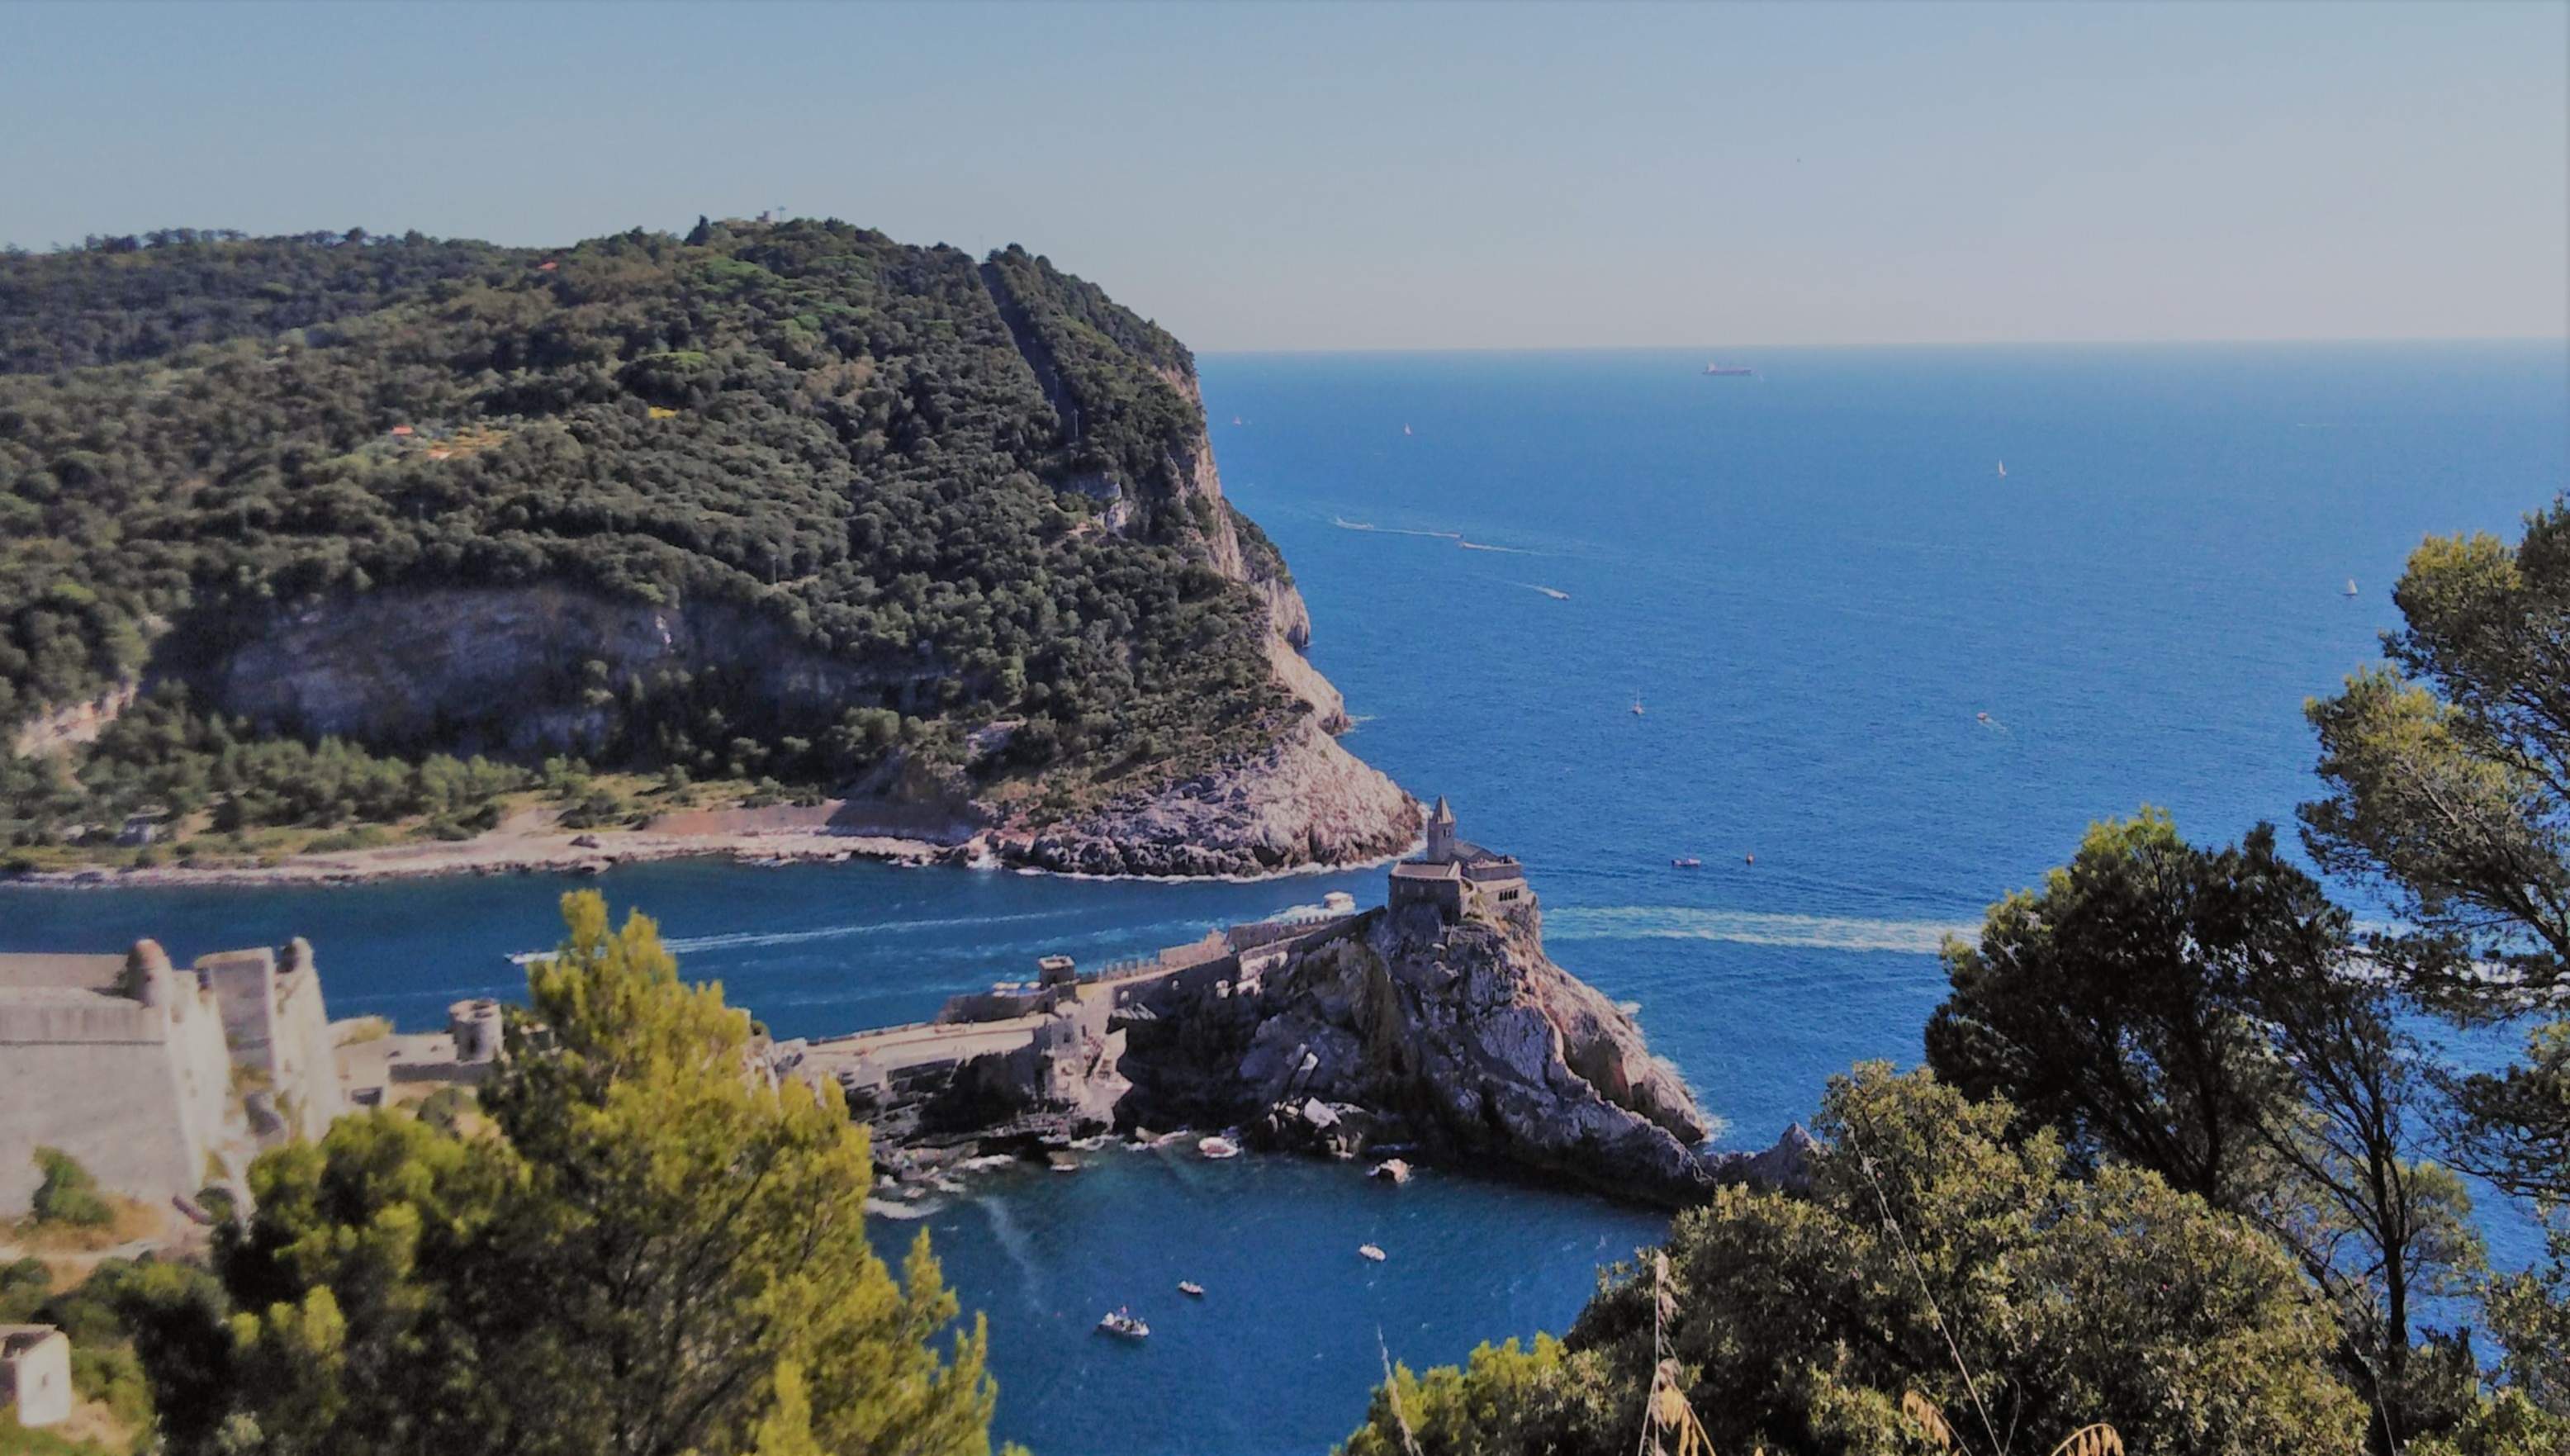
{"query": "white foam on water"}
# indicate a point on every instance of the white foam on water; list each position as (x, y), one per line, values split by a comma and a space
(754, 939)
(1751, 927)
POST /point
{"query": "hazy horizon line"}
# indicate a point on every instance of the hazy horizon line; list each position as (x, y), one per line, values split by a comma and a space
(2371, 340)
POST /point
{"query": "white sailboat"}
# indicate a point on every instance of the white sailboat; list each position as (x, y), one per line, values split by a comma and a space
(2350, 587)
(1637, 704)
(2002, 470)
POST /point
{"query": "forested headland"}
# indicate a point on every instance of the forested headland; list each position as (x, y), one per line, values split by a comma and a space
(963, 496)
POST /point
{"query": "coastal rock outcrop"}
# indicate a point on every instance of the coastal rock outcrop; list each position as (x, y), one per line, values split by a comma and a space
(1303, 799)
(1434, 1028)
(1461, 1039)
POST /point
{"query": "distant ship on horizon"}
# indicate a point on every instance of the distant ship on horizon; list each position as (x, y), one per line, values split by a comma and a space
(1712, 369)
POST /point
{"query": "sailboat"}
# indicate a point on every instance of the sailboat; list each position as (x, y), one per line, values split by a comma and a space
(1637, 704)
(1404, 429)
(2350, 587)
(2002, 470)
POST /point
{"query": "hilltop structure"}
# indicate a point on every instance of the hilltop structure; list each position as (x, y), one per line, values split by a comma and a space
(35, 1374)
(1436, 1026)
(1456, 877)
(160, 1081)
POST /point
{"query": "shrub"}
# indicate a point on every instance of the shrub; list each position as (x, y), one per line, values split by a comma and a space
(68, 1195)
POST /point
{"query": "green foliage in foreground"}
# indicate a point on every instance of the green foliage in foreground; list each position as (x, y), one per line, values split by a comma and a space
(2448, 785)
(893, 456)
(93, 1316)
(68, 1194)
(651, 1253)
(2205, 1014)
(1800, 1321)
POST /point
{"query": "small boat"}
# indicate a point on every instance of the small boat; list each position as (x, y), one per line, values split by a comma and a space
(1404, 429)
(1686, 861)
(1391, 1170)
(1637, 704)
(1725, 370)
(2002, 470)
(1191, 1288)
(1372, 1251)
(1218, 1147)
(1235, 419)
(2350, 587)
(1123, 1324)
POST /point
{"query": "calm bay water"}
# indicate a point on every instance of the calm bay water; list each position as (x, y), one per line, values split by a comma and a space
(1816, 580)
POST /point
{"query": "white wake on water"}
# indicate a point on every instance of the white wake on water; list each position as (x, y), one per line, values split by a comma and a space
(1751, 927)
(754, 939)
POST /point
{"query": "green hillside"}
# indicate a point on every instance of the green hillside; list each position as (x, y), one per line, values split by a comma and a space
(967, 478)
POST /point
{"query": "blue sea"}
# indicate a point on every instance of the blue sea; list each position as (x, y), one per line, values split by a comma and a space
(1902, 680)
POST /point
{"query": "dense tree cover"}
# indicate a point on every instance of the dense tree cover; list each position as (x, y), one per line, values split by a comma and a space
(163, 757)
(2205, 1014)
(96, 1315)
(1940, 1251)
(2449, 788)
(119, 299)
(851, 437)
(646, 1252)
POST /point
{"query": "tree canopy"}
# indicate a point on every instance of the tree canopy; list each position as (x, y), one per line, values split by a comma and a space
(966, 480)
(2447, 786)
(642, 1247)
(1938, 1254)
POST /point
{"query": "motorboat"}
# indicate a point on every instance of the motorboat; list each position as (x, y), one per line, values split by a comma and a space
(1372, 1251)
(1191, 1288)
(1218, 1147)
(1123, 1324)
(1686, 861)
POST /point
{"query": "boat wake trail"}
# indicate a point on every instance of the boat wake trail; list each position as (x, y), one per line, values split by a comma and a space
(755, 939)
(1502, 550)
(1554, 592)
(1344, 524)
(1751, 927)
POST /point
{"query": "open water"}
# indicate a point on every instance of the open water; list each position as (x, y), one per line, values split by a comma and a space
(1900, 679)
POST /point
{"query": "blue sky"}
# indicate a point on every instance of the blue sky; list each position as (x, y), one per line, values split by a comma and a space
(1449, 175)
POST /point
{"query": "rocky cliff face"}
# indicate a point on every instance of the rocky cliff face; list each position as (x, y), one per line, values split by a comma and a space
(54, 729)
(1302, 801)
(506, 669)
(1462, 1039)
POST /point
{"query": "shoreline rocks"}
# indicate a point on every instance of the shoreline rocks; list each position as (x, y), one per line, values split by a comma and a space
(1391, 1035)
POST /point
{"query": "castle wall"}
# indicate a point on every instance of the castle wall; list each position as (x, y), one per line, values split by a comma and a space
(303, 1058)
(138, 1094)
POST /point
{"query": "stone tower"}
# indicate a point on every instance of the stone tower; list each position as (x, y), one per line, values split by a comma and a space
(1440, 831)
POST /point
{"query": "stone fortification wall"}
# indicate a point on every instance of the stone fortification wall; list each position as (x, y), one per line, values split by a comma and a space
(277, 1025)
(138, 1087)
(304, 1060)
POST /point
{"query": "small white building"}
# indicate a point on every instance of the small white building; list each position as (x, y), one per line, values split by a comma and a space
(36, 1374)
